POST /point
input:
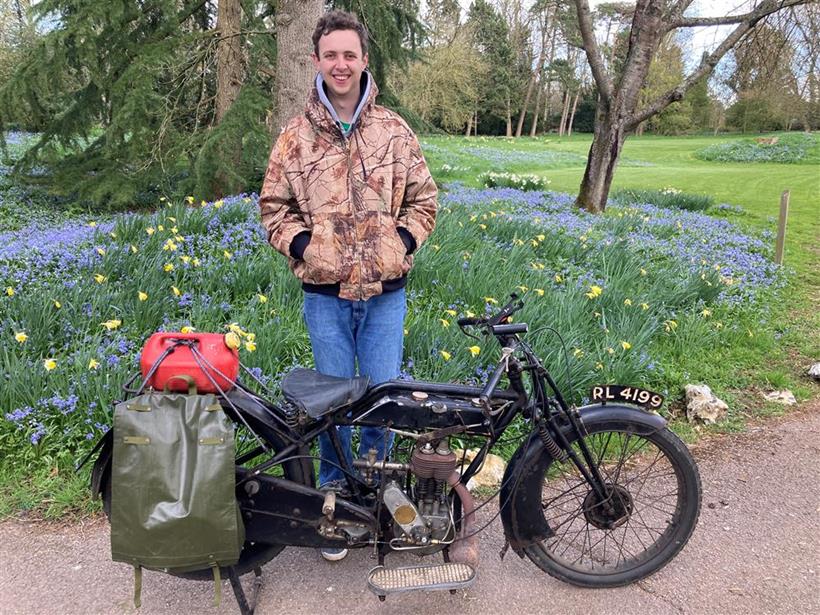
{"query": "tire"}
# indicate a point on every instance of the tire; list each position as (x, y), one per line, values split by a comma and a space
(654, 501)
(253, 555)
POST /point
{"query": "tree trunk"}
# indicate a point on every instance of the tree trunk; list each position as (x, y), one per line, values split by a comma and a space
(469, 125)
(230, 70)
(530, 85)
(564, 112)
(601, 161)
(295, 21)
(572, 114)
(509, 117)
(536, 109)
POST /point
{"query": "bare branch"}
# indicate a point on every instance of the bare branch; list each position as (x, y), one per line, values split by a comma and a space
(708, 64)
(596, 61)
(765, 8)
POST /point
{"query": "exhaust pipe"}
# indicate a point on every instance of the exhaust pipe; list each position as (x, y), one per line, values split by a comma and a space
(465, 548)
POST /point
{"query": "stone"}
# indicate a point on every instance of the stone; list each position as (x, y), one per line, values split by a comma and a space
(814, 371)
(491, 473)
(784, 397)
(702, 405)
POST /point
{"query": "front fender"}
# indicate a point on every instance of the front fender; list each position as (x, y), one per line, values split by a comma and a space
(521, 511)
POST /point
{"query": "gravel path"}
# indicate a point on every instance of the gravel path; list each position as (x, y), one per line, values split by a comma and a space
(756, 550)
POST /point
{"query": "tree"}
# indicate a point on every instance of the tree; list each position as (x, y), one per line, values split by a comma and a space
(618, 111)
(295, 21)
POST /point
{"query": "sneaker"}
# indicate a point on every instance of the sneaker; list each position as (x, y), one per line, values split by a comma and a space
(332, 554)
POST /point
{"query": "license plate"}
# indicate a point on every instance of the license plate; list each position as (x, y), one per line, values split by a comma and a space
(630, 395)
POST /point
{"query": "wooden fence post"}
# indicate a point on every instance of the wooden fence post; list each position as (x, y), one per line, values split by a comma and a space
(781, 228)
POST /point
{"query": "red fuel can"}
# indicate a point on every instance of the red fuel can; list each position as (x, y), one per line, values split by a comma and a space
(219, 364)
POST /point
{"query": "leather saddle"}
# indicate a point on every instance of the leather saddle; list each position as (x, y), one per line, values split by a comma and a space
(318, 394)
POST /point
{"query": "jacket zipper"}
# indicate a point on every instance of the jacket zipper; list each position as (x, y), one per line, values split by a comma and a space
(357, 247)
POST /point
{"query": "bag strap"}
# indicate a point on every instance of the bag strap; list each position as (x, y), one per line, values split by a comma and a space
(137, 586)
(217, 585)
(183, 377)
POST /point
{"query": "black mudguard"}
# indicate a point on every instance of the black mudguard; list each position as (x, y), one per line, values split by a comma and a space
(521, 511)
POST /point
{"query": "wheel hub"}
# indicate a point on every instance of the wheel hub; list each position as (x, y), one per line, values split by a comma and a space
(610, 513)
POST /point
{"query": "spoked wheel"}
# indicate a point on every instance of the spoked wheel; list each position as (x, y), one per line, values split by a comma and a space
(649, 510)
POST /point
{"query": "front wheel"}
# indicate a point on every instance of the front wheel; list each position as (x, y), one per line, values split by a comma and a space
(652, 503)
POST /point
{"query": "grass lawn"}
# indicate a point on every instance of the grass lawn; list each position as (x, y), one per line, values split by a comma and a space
(654, 162)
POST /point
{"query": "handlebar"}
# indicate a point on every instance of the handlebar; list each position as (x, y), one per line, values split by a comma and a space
(492, 322)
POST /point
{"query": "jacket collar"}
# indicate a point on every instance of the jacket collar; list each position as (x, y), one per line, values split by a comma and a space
(319, 110)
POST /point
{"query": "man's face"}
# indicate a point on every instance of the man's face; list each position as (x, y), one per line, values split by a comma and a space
(341, 62)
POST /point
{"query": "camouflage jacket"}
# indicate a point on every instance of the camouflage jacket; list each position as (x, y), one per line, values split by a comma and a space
(366, 197)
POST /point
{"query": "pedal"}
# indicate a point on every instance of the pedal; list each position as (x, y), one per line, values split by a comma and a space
(382, 581)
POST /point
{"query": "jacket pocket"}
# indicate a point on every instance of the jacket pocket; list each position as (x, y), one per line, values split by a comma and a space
(392, 251)
(323, 256)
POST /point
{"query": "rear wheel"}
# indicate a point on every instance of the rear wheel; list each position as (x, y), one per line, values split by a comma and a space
(652, 504)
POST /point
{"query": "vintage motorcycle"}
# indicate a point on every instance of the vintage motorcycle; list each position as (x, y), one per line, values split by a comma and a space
(598, 496)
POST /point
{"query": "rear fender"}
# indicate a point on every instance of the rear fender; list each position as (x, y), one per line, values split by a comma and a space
(521, 511)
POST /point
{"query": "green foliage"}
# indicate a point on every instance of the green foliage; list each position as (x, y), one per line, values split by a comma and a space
(491, 42)
(788, 148)
(667, 197)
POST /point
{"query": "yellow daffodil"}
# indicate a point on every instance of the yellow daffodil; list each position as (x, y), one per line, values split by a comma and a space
(518, 242)
(9, 291)
(749, 333)
(250, 346)
(474, 350)
(522, 288)
(111, 324)
(594, 291)
(450, 312)
(21, 337)
(49, 364)
(168, 267)
(185, 258)
(237, 329)
(538, 291)
(533, 243)
(99, 278)
(160, 227)
(113, 235)
(142, 296)
(643, 271)
(558, 278)
(57, 304)
(625, 345)
(599, 365)
(169, 245)
(174, 229)
(92, 224)
(227, 254)
(190, 200)
(232, 340)
(93, 364)
(195, 262)
(644, 306)
(406, 332)
(444, 322)
(627, 301)
(483, 227)
(469, 314)
(262, 298)
(540, 237)
(718, 325)
(162, 199)
(706, 312)
(150, 230)
(436, 247)
(134, 249)
(101, 251)
(490, 300)
(218, 204)
(172, 219)
(610, 350)
(538, 266)
(670, 325)
(187, 329)
(445, 355)
(577, 352)
(176, 291)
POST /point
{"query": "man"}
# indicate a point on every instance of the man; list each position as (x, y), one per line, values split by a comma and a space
(348, 198)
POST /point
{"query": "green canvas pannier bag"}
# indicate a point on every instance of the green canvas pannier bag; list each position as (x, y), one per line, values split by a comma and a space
(173, 505)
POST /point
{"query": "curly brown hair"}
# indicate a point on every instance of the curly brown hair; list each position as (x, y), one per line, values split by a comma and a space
(339, 20)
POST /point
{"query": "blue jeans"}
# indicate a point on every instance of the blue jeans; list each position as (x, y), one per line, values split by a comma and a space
(342, 333)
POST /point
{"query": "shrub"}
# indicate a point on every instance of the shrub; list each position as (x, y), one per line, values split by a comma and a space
(513, 180)
(788, 148)
(668, 198)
